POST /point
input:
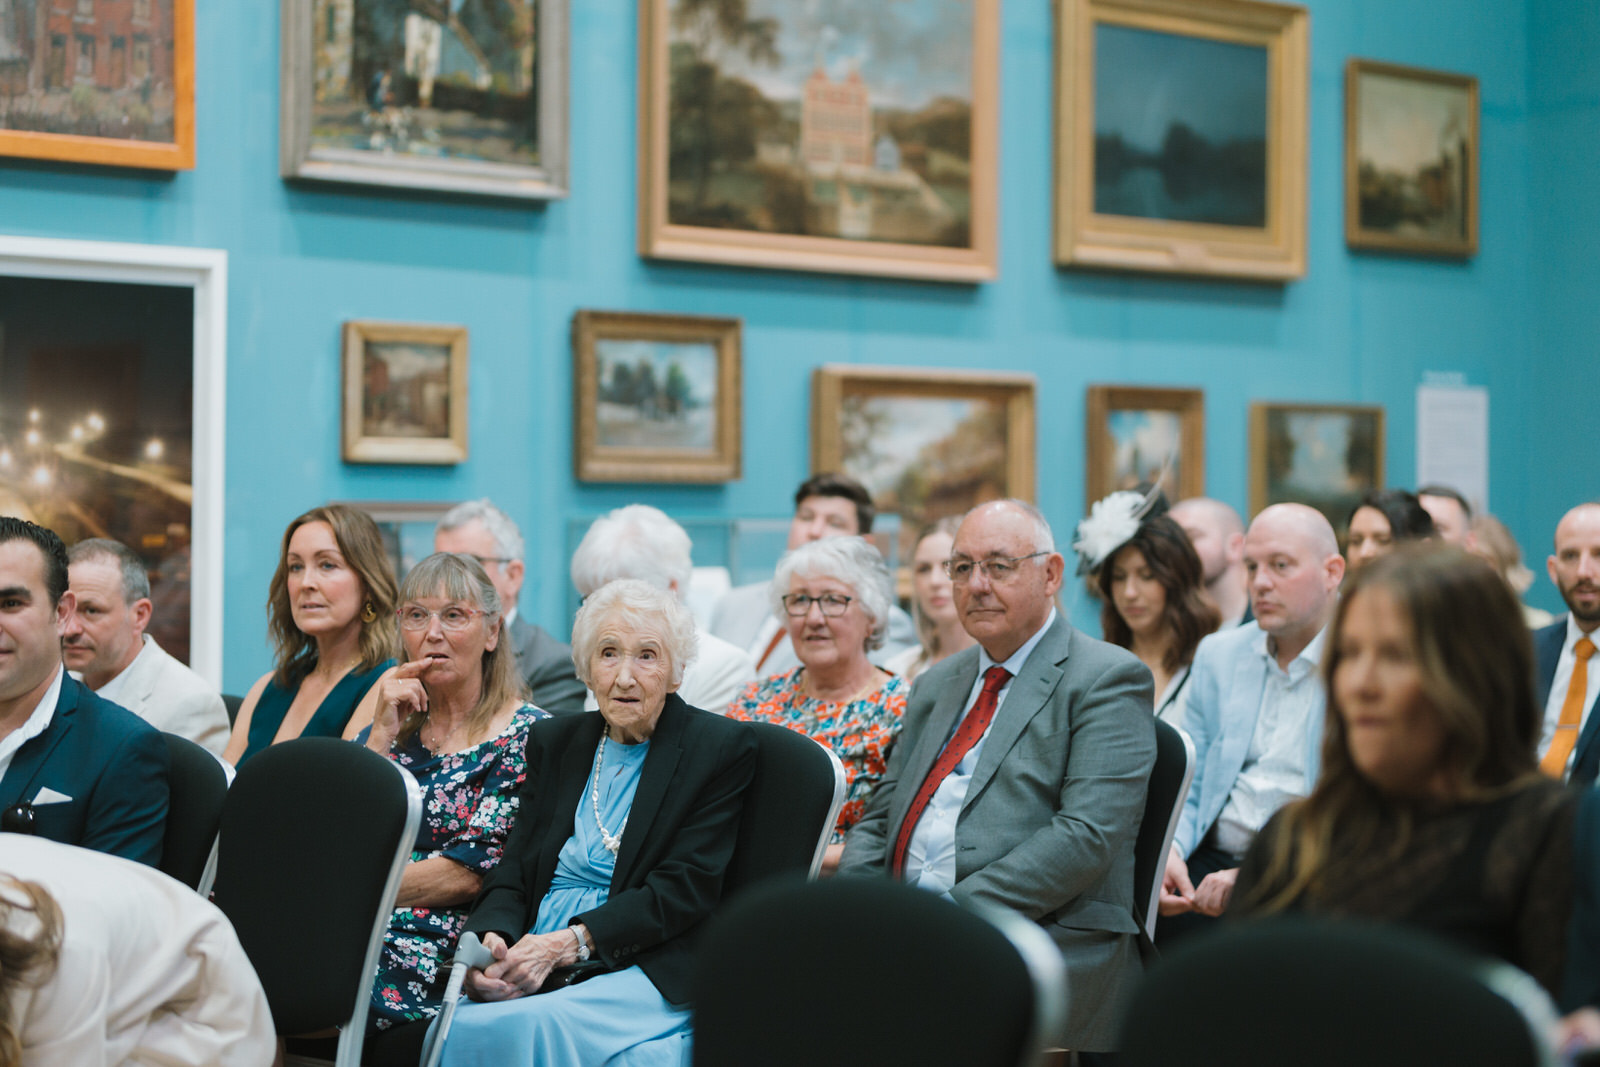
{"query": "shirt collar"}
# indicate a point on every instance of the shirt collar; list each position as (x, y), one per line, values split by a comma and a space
(1309, 658)
(1574, 632)
(38, 719)
(1014, 662)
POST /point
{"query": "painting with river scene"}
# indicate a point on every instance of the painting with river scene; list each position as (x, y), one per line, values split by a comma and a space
(1180, 127)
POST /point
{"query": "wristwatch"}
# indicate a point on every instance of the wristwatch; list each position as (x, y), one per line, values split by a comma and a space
(583, 949)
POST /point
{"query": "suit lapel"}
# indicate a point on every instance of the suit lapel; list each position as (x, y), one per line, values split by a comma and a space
(1249, 682)
(947, 709)
(1025, 698)
(33, 754)
(1547, 644)
(660, 764)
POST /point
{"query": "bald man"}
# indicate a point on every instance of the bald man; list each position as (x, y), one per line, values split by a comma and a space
(1255, 711)
(1217, 533)
(1569, 743)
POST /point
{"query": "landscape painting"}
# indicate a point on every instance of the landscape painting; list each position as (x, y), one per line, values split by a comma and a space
(656, 394)
(102, 82)
(1180, 127)
(1411, 159)
(405, 393)
(1145, 435)
(1322, 456)
(828, 127)
(1144, 449)
(407, 390)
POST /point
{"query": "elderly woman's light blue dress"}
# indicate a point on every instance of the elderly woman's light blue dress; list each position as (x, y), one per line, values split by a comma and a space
(618, 1018)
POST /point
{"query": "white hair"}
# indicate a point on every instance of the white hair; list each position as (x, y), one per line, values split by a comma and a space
(637, 541)
(632, 604)
(851, 560)
(507, 538)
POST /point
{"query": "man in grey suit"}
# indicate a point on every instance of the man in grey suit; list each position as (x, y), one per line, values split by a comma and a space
(479, 529)
(1020, 775)
(104, 641)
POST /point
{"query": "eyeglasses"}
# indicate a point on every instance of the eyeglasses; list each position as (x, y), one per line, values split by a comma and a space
(998, 569)
(832, 605)
(452, 619)
(486, 561)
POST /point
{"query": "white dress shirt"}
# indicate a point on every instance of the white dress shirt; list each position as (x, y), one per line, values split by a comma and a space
(931, 853)
(1274, 770)
(37, 723)
(1562, 681)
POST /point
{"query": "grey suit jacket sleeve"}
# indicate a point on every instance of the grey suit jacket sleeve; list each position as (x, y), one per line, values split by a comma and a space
(546, 666)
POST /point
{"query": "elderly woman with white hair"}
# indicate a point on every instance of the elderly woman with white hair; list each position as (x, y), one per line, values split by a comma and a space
(639, 541)
(627, 823)
(835, 595)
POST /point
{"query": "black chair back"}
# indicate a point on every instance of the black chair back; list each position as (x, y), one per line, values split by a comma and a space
(1169, 786)
(315, 833)
(1327, 994)
(789, 808)
(232, 703)
(944, 985)
(197, 787)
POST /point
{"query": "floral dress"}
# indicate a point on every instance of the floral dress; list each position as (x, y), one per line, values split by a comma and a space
(860, 732)
(469, 800)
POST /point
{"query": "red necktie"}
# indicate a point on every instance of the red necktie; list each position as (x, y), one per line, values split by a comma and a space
(967, 735)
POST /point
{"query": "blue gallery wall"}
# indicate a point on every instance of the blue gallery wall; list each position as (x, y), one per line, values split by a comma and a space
(1356, 329)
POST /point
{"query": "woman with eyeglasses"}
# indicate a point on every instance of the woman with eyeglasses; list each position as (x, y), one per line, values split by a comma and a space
(454, 714)
(835, 596)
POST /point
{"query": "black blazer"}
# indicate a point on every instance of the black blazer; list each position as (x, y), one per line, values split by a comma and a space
(1547, 642)
(675, 850)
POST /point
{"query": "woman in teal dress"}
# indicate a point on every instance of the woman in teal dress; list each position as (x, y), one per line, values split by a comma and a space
(330, 611)
(627, 824)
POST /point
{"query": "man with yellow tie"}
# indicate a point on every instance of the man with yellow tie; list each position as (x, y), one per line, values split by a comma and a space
(1569, 679)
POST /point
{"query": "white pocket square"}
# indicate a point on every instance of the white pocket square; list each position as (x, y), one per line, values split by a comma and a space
(46, 795)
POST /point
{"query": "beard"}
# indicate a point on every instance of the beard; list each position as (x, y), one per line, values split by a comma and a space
(1591, 616)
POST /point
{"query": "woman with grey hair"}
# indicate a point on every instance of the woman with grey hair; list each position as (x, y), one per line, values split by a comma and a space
(454, 715)
(628, 821)
(835, 595)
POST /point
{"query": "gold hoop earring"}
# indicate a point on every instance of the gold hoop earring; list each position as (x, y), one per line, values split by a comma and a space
(369, 613)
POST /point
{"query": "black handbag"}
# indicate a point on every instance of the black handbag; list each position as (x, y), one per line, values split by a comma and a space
(571, 974)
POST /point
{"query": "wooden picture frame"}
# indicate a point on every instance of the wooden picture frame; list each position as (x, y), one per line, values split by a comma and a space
(496, 125)
(1158, 166)
(926, 443)
(405, 393)
(1402, 192)
(824, 180)
(1124, 419)
(1289, 449)
(627, 426)
(81, 45)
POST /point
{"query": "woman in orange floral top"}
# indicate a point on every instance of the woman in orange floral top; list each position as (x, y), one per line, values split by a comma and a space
(835, 595)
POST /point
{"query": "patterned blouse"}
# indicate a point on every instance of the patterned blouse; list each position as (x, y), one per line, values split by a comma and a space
(469, 800)
(860, 732)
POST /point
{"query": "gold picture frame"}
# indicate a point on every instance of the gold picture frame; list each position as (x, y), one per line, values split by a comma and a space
(1158, 166)
(1290, 450)
(926, 443)
(1125, 422)
(834, 190)
(630, 427)
(129, 90)
(1402, 192)
(405, 393)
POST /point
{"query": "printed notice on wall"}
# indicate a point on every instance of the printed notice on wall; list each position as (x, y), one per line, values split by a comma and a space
(1453, 437)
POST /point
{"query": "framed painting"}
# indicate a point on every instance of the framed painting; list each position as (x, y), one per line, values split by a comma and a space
(1410, 159)
(463, 97)
(405, 393)
(925, 443)
(1137, 434)
(821, 135)
(1181, 137)
(108, 83)
(406, 527)
(1323, 455)
(657, 397)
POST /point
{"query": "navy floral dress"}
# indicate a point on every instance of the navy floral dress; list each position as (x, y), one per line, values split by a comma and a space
(469, 800)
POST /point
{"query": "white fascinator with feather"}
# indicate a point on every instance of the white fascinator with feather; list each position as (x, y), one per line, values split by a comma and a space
(1110, 524)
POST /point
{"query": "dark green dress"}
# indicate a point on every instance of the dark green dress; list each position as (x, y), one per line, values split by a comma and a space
(329, 720)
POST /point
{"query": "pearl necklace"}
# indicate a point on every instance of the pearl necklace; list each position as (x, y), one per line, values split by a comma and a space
(611, 841)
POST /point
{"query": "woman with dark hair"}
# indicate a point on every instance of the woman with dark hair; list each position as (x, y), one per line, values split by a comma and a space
(330, 611)
(1383, 519)
(1430, 810)
(1152, 593)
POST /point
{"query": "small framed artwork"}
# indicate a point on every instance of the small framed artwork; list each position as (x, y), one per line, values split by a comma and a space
(657, 397)
(447, 97)
(405, 393)
(406, 527)
(1323, 455)
(1181, 137)
(1410, 159)
(107, 83)
(925, 443)
(1139, 434)
(821, 135)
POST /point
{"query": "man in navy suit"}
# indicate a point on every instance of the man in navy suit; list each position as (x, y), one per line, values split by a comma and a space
(73, 768)
(1569, 680)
